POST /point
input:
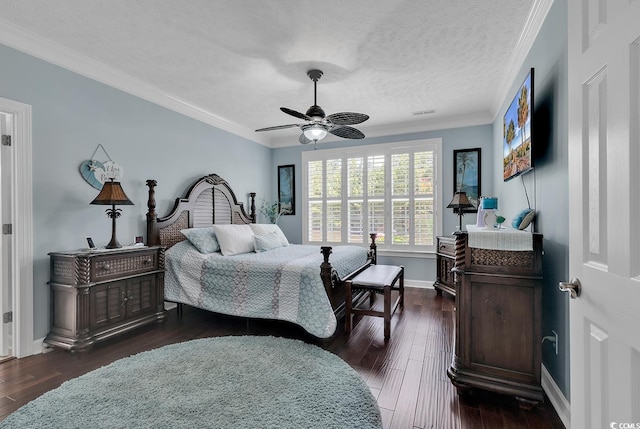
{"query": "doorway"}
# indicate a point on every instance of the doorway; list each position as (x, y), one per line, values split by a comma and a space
(6, 286)
(16, 249)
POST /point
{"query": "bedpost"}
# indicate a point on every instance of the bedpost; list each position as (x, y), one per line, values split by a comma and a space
(152, 217)
(252, 213)
(373, 248)
(326, 270)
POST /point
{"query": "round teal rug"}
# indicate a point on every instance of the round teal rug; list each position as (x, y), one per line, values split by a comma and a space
(227, 382)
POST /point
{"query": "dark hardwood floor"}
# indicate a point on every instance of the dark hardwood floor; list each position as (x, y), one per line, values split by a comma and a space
(407, 375)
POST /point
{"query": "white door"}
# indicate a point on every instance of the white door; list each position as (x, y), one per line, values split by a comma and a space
(604, 212)
(6, 124)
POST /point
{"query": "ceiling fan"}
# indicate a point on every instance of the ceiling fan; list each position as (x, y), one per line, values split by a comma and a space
(317, 125)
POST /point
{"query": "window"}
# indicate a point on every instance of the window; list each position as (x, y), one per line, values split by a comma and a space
(392, 190)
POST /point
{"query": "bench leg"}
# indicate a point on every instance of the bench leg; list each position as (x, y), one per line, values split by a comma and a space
(347, 307)
(402, 288)
(387, 312)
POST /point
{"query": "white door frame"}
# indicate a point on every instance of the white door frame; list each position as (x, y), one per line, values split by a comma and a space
(22, 218)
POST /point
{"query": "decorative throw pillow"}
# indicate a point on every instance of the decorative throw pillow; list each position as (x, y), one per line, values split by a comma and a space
(203, 239)
(266, 242)
(266, 228)
(523, 219)
(234, 239)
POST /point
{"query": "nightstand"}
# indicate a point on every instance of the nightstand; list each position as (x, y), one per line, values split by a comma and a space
(445, 261)
(98, 294)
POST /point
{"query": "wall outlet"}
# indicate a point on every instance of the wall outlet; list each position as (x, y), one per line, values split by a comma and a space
(552, 339)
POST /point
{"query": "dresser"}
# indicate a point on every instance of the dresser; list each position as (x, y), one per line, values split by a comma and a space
(98, 294)
(498, 313)
(445, 261)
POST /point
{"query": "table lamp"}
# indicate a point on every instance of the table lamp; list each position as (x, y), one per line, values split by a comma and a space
(112, 194)
(459, 202)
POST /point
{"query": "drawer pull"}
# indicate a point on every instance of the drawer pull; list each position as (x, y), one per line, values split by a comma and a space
(147, 261)
(105, 267)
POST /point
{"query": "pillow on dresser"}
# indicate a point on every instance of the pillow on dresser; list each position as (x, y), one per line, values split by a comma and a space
(267, 228)
(523, 219)
(234, 239)
(203, 239)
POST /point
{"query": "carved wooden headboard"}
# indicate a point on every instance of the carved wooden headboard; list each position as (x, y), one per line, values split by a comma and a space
(210, 200)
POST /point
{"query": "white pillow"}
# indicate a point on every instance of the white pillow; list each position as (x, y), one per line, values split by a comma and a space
(266, 242)
(266, 228)
(234, 239)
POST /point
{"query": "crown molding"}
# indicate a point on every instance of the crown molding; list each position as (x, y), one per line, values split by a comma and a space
(40, 47)
(537, 15)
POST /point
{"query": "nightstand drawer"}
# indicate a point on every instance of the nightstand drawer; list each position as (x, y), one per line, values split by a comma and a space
(106, 267)
(447, 246)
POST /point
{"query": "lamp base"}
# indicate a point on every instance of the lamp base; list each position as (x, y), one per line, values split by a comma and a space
(113, 213)
(113, 244)
(459, 231)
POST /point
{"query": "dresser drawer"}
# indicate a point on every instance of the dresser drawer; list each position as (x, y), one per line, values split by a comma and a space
(447, 246)
(105, 267)
(85, 267)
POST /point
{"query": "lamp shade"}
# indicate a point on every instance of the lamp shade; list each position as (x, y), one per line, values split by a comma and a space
(460, 201)
(112, 194)
(315, 132)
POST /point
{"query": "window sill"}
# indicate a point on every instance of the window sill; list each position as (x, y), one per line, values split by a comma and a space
(406, 254)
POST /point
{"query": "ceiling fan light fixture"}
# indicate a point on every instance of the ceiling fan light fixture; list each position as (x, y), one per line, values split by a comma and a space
(315, 132)
(317, 125)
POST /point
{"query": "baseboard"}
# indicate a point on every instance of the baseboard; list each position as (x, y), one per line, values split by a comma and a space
(421, 284)
(39, 346)
(556, 397)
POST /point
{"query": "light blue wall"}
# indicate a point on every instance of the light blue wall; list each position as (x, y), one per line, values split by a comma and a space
(422, 269)
(548, 184)
(71, 116)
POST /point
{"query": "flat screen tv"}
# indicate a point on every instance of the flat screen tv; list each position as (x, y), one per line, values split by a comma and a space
(516, 142)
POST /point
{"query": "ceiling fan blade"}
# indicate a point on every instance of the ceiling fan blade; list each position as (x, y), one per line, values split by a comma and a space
(278, 127)
(347, 133)
(296, 114)
(303, 139)
(347, 118)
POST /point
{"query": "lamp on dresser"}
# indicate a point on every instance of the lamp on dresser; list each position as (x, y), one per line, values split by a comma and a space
(459, 202)
(112, 194)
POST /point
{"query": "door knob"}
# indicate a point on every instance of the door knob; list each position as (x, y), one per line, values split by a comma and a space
(573, 287)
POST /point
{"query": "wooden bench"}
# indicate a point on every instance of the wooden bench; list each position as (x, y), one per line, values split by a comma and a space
(376, 279)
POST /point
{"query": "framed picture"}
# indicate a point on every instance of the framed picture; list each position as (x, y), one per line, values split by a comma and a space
(466, 167)
(286, 189)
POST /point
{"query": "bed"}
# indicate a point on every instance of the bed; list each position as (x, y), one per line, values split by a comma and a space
(297, 283)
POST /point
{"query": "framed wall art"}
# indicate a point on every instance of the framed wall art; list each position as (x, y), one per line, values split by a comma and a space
(286, 189)
(467, 177)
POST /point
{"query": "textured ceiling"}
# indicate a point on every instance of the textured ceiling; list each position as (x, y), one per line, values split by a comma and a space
(241, 60)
